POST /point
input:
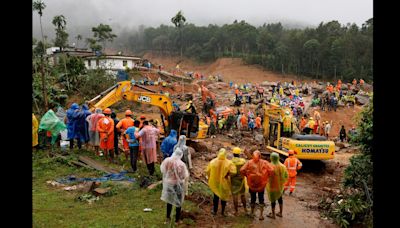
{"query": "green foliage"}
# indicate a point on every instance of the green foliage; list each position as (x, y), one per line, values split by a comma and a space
(95, 82)
(328, 50)
(103, 33)
(355, 207)
(61, 35)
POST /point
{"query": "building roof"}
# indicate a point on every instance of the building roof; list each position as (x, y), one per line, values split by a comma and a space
(128, 57)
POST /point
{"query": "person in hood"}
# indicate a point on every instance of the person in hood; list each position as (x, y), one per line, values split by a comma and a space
(275, 185)
(257, 171)
(105, 126)
(187, 157)
(218, 172)
(81, 125)
(238, 185)
(70, 122)
(167, 146)
(174, 173)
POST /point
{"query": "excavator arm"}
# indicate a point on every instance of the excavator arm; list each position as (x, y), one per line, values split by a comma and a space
(125, 90)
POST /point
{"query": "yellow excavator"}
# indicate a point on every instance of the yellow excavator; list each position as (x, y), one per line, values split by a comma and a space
(184, 123)
(307, 147)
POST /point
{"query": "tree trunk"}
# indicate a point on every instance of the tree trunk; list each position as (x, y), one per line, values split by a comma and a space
(44, 90)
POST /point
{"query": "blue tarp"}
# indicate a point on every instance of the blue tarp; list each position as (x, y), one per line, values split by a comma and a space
(112, 177)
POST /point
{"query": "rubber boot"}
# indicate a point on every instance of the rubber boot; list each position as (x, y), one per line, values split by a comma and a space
(272, 213)
(261, 213)
(223, 209)
(244, 203)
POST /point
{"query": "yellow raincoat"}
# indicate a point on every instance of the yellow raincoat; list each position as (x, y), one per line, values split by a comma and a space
(35, 127)
(218, 171)
(239, 184)
(277, 181)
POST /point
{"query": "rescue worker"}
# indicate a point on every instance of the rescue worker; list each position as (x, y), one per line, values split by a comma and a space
(142, 119)
(342, 134)
(317, 117)
(148, 135)
(328, 128)
(238, 182)
(275, 185)
(94, 136)
(218, 172)
(251, 125)
(287, 124)
(281, 91)
(292, 164)
(309, 126)
(122, 126)
(303, 123)
(221, 123)
(175, 106)
(70, 122)
(167, 145)
(258, 122)
(35, 127)
(105, 127)
(354, 82)
(257, 171)
(190, 107)
(243, 121)
(117, 134)
(133, 143)
(322, 129)
(187, 157)
(175, 174)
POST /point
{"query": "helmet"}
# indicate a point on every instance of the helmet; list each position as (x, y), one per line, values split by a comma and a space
(311, 118)
(190, 102)
(287, 112)
(142, 117)
(236, 150)
(291, 152)
(128, 113)
(107, 111)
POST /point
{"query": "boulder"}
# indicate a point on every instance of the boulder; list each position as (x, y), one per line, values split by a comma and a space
(361, 100)
(340, 145)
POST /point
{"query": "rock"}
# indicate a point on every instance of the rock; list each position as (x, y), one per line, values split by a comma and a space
(340, 145)
(101, 191)
(361, 100)
(328, 200)
(337, 148)
(326, 189)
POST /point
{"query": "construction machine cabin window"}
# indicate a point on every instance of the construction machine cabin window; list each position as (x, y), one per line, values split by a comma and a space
(124, 63)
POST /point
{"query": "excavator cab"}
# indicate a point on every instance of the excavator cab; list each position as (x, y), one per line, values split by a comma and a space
(275, 133)
(184, 123)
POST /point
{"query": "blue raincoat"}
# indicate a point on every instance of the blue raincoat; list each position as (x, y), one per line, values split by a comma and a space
(167, 146)
(81, 125)
(71, 121)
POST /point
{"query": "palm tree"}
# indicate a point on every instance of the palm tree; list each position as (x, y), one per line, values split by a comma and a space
(179, 21)
(78, 37)
(60, 22)
(39, 6)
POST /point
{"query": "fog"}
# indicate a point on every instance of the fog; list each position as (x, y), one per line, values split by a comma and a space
(81, 15)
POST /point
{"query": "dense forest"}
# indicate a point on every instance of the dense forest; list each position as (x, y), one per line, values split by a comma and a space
(330, 50)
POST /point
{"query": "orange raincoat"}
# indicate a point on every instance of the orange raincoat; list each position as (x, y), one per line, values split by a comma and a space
(258, 122)
(243, 121)
(257, 171)
(105, 126)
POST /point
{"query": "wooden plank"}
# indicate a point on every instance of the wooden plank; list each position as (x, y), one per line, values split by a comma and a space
(72, 162)
(96, 165)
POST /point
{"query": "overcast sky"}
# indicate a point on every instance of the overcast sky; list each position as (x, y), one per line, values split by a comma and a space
(83, 14)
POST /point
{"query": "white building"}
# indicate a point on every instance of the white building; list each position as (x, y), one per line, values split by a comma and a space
(111, 62)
